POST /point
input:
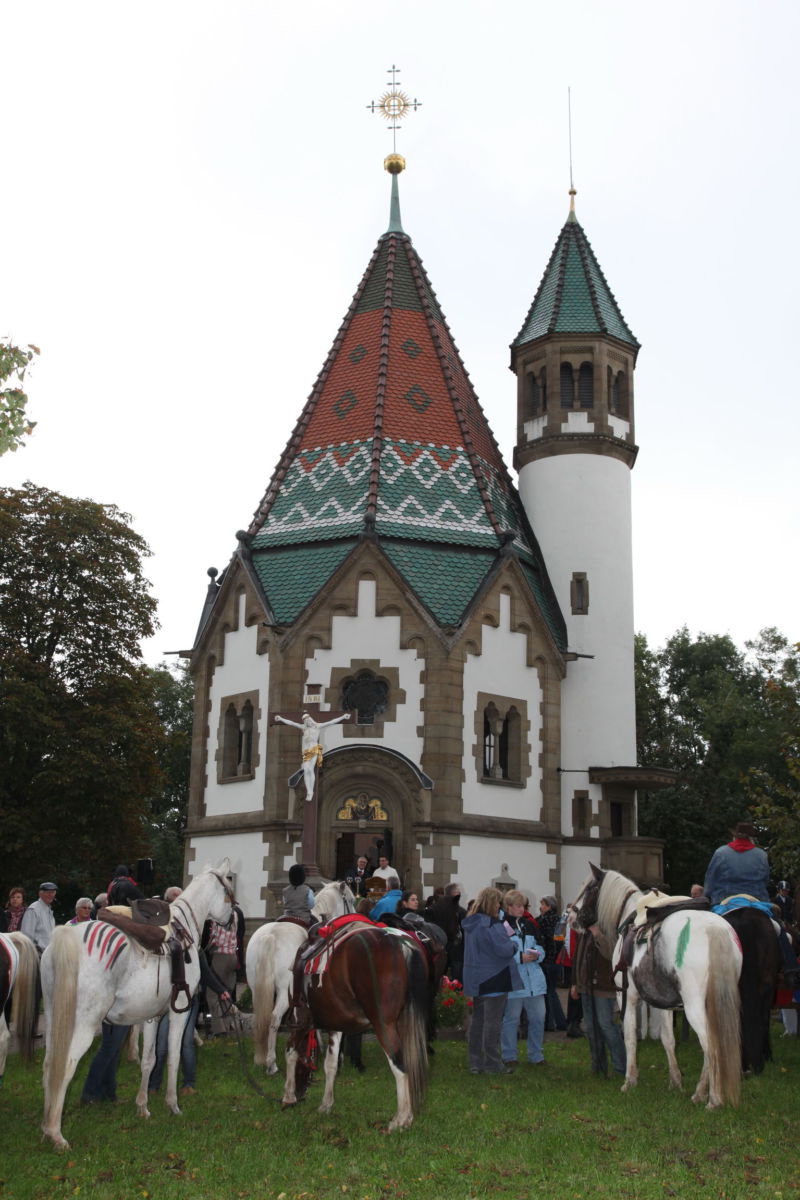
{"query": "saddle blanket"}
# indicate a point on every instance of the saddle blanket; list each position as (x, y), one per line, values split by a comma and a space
(743, 901)
(315, 957)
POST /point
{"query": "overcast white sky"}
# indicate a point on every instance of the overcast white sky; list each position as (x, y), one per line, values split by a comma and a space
(191, 192)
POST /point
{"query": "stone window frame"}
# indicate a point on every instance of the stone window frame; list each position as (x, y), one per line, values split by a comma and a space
(519, 751)
(238, 702)
(389, 675)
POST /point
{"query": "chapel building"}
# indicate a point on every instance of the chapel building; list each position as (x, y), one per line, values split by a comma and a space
(478, 633)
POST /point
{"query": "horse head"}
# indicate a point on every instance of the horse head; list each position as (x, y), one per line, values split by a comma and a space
(585, 906)
(223, 898)
(334, 900)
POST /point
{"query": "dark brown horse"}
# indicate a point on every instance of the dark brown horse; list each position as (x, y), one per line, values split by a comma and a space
(359, 978)
(761, 964)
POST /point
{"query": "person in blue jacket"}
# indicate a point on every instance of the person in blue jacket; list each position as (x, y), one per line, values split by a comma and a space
(738, 868)
(490, 973)
(530, 996)
(388, 901)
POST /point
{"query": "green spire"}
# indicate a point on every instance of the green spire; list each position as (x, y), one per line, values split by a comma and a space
(395, 224)
(574, 296)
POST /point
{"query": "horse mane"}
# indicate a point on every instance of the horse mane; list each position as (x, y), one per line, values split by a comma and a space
(617, 894)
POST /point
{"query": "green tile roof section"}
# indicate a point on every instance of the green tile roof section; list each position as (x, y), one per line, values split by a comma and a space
(291, 576)
(574, 296)
(444, 578)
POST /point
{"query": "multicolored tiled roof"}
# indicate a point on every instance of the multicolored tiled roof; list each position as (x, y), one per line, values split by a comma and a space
(573, 296)
(393, 442)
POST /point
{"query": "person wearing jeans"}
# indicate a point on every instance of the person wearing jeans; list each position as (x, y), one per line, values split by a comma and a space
(530, 996)
(593, 980)
(490, 973)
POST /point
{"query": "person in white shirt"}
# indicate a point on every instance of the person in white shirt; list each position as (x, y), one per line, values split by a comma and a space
(383, 870)
(39, 920)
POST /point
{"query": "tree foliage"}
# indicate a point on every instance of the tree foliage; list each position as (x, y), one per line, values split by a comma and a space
(173, 694)
(709, 711)
(14, 421)
(79, 729)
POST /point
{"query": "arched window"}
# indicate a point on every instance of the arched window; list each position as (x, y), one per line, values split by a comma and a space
(532, 397)
(586, 386)
(619, 395)
(230, 743)
(245, 742)
(567, 386)
(366, 695)
(502, 743)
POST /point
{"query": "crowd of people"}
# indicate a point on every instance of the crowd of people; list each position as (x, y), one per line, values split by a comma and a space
(513, 964)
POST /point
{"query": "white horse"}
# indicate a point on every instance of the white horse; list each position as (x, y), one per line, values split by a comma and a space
(94, 972)
(695, 962)
(270, 956)
(19, 971)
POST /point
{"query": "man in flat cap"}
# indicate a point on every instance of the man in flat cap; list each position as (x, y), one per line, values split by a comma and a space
(39, 920)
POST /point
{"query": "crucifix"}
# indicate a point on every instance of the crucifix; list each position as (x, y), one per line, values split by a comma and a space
(312, 753)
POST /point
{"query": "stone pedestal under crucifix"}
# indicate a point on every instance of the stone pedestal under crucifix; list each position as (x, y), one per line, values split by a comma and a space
(312, 754)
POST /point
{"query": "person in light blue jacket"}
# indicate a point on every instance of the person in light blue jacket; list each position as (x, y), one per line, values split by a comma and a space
(530, 997)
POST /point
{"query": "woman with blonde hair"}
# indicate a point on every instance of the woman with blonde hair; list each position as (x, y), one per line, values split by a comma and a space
(489, 975)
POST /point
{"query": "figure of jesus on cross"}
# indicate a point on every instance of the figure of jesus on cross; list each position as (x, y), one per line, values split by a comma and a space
(312, 745)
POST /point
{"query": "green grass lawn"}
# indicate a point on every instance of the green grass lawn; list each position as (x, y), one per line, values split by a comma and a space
(554, 1132)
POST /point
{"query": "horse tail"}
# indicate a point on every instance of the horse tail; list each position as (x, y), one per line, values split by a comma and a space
(262, 986)
(723, 1014)
(412, 1023)
(64, 955)
(24, 1007)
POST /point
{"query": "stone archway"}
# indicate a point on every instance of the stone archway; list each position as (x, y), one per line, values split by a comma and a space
(401, 788)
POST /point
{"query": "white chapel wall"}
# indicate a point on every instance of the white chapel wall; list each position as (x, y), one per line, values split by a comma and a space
(502, 669)
(243, 670)
(480, 860)
(369, 636)
(246, 852)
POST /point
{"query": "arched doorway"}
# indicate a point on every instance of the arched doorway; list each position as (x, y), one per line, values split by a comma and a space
(366, 793)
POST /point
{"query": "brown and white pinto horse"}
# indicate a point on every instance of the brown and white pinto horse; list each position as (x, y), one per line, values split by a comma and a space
(366, 977)
(19, 971)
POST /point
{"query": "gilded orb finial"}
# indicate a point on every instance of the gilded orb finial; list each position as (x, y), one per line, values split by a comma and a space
(394, 164)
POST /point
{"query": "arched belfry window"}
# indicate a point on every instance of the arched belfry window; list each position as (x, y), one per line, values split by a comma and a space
(619, 395)
(567, 386)
(365, 695)
(586, 385)
(531, 396)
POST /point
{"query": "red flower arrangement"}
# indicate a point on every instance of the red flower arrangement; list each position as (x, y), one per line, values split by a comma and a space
(452, 1006)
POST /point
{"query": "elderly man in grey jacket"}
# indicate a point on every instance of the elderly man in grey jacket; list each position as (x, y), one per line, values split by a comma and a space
(39, 920)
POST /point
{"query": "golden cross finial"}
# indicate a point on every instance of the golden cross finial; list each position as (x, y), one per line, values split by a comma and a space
(394, 105)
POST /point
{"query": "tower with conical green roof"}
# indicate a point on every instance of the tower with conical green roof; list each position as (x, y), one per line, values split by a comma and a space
(574, 359)
(391, 573)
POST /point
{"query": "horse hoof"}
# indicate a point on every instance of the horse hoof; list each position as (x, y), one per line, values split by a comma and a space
(143, 1112)
(288, 1104)
(272, 1070)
